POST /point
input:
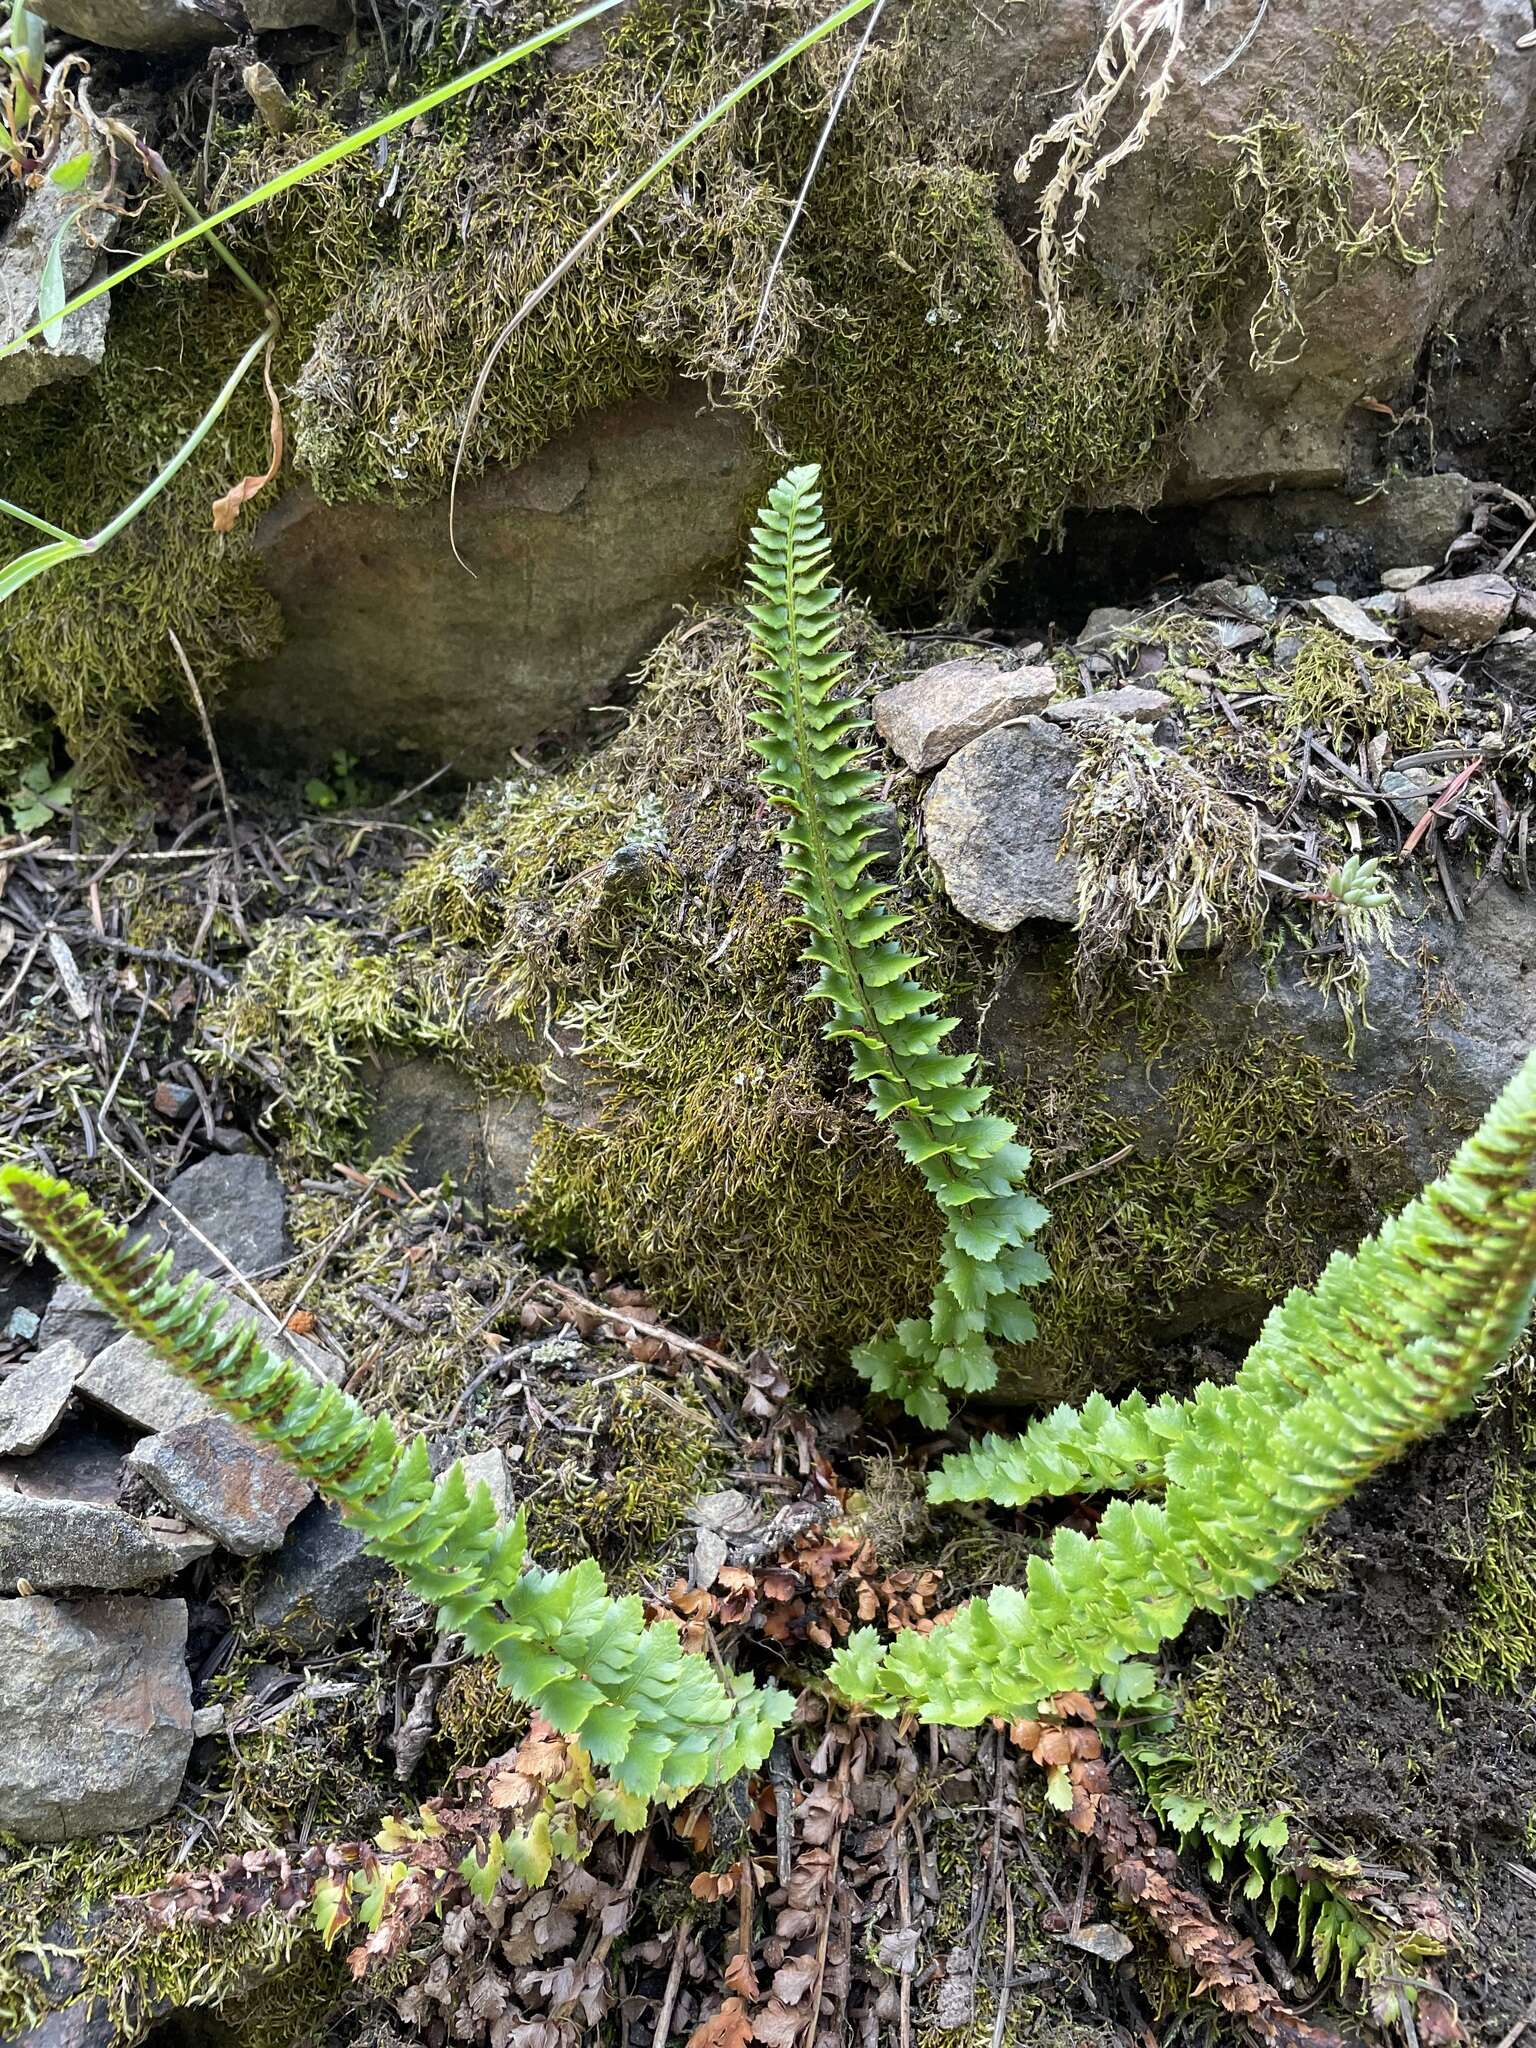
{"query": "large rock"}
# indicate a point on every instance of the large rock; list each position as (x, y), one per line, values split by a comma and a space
(237, 1204)
(34, 1398)
(1300, 424)
(1465, 611)
(994, 821)
(147, 25)
(581, 558)
(80, 1462)
(320, 1585)
(78, 342)
(224, 1484)
(52, 1545)
(453, 1128)
(96, 1707)
(936, 712)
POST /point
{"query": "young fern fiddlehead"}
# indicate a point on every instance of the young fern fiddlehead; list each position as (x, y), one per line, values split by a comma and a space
(815, 768)
(1393, 1341)
(657, 1718)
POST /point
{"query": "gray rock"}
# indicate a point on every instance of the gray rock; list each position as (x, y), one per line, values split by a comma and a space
(84, 2025)
(97, 1712)
(79, 1462)
(148, 25)
(24, 250)
(1466, 611)
(267, 17)
(72, 1317)
(1348, 618)
(1399, 580)
(57, 1544)
(1132, 702)
(1509, 663)
(452, 1128)
(128, 1379)
(583, 556)
(932, 715)
(994, 818)
(211, 1472)
(489, 1468)
(1103, 623)
(34, 1397)
(319, 1585)
(131, 1382)
(238, 1204)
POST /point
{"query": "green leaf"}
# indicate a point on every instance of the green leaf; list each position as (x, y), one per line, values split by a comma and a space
(52, 290)
(71, 172)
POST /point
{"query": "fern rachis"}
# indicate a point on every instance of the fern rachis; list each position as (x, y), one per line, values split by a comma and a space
(1394, 1341)
(815, 768)
(658, 1719)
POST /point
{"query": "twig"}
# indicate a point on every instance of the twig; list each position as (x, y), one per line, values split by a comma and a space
(387, 1309)
(621, 1316)
(1087, 1172)
(218, 776)
(1520, 2026)
(797, 210)
(159, 956)
(1228, 61)
(674, 1985)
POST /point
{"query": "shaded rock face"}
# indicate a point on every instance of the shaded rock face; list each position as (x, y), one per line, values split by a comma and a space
(581, 558)
(1298, 425)
(97, 1711)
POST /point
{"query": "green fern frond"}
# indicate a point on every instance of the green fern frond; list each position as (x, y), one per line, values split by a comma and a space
(1393, 1341)
(1102, 1447)
(813, 744)
(657, 1718)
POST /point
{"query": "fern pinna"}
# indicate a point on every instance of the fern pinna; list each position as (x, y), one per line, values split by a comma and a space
(1393, 1341)
(812, 741)
(659, 1720)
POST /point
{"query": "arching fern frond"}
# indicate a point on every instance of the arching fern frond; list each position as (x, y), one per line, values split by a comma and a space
(658, 1719)
(815, 767)
(1393, 1341)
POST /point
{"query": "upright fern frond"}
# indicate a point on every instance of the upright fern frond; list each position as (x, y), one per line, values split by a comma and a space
(1393, 1341)
(816, 769)
(658, 1719)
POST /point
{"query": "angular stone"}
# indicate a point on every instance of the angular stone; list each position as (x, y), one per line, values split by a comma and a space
(320, 1584)
(130, 1380)
(211, 1472)
(995, 816)
(72, 1317)
(79, 1462)
(1350, 619)
(1132, 701)
(96, 1707)
(1400, 580)
(932, 715)
(1467, 611)
(58, 1544)
(1509, 663)
(34, 1397)
(489, 1468)
(238, 1204)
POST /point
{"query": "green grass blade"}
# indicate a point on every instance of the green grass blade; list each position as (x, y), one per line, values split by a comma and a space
(322, 160)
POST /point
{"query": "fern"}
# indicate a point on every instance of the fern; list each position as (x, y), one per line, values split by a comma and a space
(659, 1720)
(812, 741)
(1394, 1340)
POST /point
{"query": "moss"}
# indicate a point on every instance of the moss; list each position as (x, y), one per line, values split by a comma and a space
(1493, 1645)
(1341, 690)
(904, 348)
(1222, 1195)
(1165, 859)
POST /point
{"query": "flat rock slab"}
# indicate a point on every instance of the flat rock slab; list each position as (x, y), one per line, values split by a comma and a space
(211, 1472)
(53, 1545)
(34, 1398)
(932, 715)
(1466, 611)
(82, 1461)
(995, 818)
(1132, 702)
(237, 1203)
(96, 1706)
(320, 1584)
(132, 1382)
